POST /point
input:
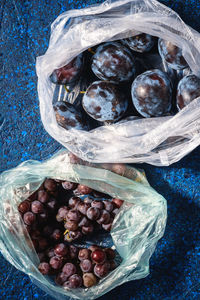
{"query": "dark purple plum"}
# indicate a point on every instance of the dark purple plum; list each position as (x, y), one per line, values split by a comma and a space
(140, 43)
(171, 54)
(152, 93)
(113, 61)
(69, 73)
(68, 117)
(104, 102)
(188, 89)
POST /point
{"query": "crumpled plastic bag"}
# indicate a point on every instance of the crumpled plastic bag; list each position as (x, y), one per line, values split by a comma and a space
(157, 141)
(136, 230)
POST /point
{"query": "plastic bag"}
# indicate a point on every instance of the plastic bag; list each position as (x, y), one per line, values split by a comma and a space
(157, 141)
(137, 227)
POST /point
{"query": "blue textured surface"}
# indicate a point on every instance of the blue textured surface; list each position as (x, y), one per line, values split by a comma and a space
(175, 272)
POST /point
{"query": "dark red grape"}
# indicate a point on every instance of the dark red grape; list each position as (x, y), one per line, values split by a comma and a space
(188, 89)
(62, 213)
(73, 215)
(118, 203)
(113, 61)
(93, 213)
(112, 265)
(68, 73)
(104, 217)
(98, 256)
(67, 185)
(84, 222)
(89, 280)
(44, 268)
(87, 229)
(88, 200)
(108, 227)
(42, 256)
(72, 236)
(104, 102)
(71, 225)
(50, 252)
(152, 93)
(69, 269)
(84, 189)
(61, 250)
(101, 270)
(118, 169)
(57, 235)
(61, 278)
(83, 207)
(24, 207)
(56, 262)
(43, 244)
(75, 281)
(171, 54)
(94, 247)
(50, 185)
(98, 204)
(84, 254)
(110, 253)
(37, 207)
(140, 43)
(74, 201)
(43, 196)
(108, 205)
(86, 265)
(68, 116)
(29, 218)
(73, 251)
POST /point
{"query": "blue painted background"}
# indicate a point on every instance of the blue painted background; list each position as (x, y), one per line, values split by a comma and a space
(175, 265)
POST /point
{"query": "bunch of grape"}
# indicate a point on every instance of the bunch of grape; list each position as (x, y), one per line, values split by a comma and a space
(75, 267)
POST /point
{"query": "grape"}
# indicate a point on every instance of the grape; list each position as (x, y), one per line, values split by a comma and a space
(117, 202)
(42, 244)
(73, 251)
(62, 213)
(87, 229)
(171, 54)
(112, 265)
(29, 218)
(108, 227)
(98, 256)
(119, 169)
(84, 222)
(83, 207)
(69, 269)
(50, 252)
(75, 281)
(52, 205)
(113, 61)
(68, 116)
(104, 102)
(188, 89)
(97, 204)
(61, 278)
(71, 225)
(72, 236)
(74, 201)
(68, 73)
(140, 43)
(43, 196)
(24, 206)
(101, 270)
(37, 207)
(108, 205)
(44, 268)
(50, 185)
(89, 280)
(84, 254)
(86, 265)
(83, 189)
(56, 235)
(43, 218)
(93, 213)
(104, 217)
(94, 247)
(42, 256)
(56, 262)
(110, 253)
(152, 93)
(88, 200)
(60, 250)
(73, 215)
(67, 185)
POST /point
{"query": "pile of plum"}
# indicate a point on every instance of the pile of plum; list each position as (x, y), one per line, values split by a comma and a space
(59, 214)
(120, 85)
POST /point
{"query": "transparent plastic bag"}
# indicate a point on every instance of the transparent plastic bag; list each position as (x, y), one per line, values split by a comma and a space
(137, 227)
(157, 141)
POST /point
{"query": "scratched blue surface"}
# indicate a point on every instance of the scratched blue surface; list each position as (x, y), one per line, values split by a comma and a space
(175, 265)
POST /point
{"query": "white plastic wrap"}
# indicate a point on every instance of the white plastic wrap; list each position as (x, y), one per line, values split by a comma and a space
(157, 141)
